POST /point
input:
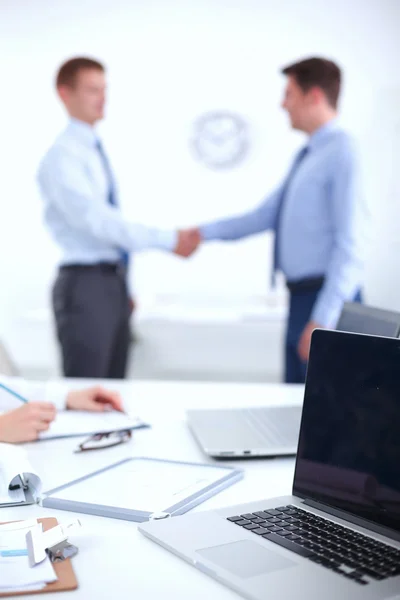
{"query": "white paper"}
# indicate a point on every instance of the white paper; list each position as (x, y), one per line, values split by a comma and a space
(15, 571)
(13, 464)
(69, 423)
(144, 485)
(27, 524)
(23, 588)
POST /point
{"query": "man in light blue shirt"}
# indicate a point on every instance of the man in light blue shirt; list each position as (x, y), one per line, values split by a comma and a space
(90, 297)
(317, 213)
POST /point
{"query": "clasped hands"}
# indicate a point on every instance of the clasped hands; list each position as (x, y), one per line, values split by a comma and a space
(188, 242)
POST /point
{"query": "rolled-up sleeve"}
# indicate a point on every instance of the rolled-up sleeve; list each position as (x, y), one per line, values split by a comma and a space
(65, 183)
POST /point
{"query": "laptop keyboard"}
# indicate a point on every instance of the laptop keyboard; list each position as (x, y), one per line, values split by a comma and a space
(351, 554)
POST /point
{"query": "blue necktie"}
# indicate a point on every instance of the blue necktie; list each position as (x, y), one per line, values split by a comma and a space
(300, 156)
(112, 195)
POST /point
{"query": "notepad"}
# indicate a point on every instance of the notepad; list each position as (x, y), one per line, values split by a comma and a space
(74, 423)
(16, 574)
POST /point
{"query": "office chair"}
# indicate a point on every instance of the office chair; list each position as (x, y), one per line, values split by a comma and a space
(358, 318)
(7, 366)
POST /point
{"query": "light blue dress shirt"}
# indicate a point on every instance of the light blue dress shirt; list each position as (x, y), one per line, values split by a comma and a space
(75, 190)
(323, 222)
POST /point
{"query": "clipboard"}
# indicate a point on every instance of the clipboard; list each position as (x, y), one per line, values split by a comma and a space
(66, 577)
(119, 490)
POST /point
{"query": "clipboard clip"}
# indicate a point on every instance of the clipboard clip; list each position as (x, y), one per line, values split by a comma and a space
(157, 516)
(52, 543)
(21, 484)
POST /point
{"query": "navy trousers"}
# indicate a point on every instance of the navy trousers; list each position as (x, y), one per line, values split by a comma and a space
(301, 306)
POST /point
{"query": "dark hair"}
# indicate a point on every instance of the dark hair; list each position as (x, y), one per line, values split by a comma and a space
(317, 72)
(68, 72)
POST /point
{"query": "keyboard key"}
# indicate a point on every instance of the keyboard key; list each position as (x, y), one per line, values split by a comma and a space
(259, 521)
(285, 543)
(251, 526)
(259, 531)
(273, 512)
(292, 521)
(249, 517)
(243, 522)
(233, 519)
(262, 514)
(274, 520)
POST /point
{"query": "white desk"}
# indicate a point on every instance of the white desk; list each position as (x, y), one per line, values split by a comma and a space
(114, 558)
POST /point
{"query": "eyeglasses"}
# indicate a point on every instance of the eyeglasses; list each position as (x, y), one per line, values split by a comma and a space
(108, 439)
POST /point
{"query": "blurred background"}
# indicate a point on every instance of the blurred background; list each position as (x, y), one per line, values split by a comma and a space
(171, 63)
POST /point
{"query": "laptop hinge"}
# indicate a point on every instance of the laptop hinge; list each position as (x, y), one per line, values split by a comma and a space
(341, 514)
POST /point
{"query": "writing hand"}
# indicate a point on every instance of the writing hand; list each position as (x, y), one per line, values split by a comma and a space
(26, 422)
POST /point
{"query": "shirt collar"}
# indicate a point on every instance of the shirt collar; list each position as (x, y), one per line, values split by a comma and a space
(322, 133)
(83, 131)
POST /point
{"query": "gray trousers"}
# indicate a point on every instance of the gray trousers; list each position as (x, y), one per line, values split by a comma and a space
(91, 310)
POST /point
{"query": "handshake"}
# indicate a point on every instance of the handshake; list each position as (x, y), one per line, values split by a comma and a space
(188, 242)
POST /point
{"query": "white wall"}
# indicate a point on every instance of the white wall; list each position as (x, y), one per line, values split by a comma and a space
(168, 62)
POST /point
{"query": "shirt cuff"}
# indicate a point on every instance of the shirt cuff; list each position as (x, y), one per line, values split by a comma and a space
(210, 231)
(167, 240)
(325, 314)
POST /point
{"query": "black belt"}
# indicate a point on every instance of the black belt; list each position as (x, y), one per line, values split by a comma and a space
(312, 284)
(104, 267)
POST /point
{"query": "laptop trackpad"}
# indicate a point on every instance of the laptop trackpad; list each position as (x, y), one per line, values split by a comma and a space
(245, 558)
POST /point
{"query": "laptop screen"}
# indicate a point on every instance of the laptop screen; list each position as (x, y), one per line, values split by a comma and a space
(349, 444)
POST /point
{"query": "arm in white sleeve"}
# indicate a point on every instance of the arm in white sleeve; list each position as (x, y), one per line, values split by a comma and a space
(66, 185)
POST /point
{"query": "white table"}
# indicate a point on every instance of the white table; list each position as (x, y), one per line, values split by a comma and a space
(114, 558)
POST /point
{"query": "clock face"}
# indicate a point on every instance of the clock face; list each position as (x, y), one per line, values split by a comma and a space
(220, 139)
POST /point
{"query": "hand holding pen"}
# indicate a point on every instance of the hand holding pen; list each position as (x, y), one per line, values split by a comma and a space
(24, 424)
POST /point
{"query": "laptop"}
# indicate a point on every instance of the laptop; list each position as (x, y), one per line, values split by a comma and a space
(246, 432)
(274, 430)
(338, 534)
(360, 318)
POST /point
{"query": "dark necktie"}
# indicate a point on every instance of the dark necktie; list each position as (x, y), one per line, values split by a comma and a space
(278, 221)
(112, 195)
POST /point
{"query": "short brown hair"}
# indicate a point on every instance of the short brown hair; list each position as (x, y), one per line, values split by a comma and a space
(68, 72)
(317, 72)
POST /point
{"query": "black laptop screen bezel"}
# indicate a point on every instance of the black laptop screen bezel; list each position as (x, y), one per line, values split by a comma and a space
(379, 519)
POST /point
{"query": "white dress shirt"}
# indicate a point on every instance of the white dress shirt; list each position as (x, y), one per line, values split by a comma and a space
(75, 190)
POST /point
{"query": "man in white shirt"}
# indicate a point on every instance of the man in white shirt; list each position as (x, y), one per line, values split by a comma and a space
(90, 297)
(26, 422)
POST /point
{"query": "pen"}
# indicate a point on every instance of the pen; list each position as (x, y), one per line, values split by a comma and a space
(13, 393)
